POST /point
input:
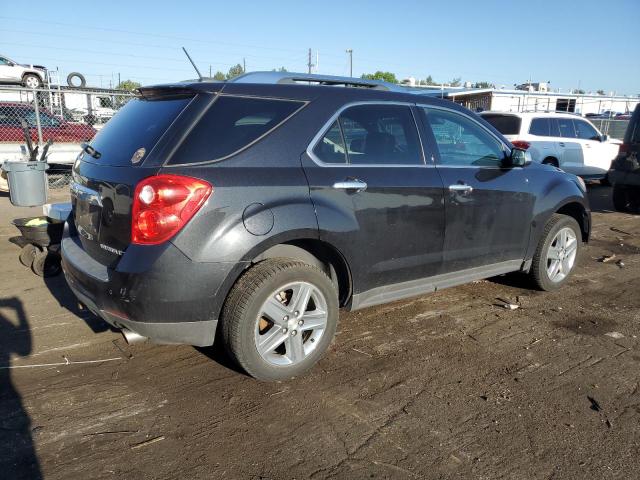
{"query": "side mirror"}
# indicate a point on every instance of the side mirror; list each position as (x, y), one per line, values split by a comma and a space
(519, 158)
(604, 138)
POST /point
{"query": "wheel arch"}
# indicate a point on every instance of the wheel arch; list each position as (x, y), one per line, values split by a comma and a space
(29, 72)
(579, 213)
(318, 253)
(551, 160)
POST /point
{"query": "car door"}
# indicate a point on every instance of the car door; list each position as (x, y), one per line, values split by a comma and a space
(544, 140)
(488, 207)
(597, 154)
(376, 199)
(571, 156)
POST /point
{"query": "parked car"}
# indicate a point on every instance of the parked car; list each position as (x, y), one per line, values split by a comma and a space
(254, 209)
(623, 116)
(625, 171)
(32, 76)
(564, 140)
(52, 127)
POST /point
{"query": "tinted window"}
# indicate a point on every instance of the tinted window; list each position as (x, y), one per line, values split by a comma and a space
(139, 124)
(585, 131)
(505, 124)
(331, 148)
(45, 120)
(540, 127)
(461, 141)
(231, 124)
(566, 128)
(380, 135)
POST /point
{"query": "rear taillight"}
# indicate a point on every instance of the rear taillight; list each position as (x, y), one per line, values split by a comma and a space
(162, 205)
(521, 144)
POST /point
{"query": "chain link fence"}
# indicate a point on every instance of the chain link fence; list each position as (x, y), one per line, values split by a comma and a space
(64, 117)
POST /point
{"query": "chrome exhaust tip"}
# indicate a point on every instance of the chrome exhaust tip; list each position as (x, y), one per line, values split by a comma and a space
(132, 337)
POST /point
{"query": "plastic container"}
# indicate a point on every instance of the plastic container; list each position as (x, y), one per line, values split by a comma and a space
(27, 183)
(57, 211)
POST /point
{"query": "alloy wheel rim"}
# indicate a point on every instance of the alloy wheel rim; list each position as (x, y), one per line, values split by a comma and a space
(290, 323)
(561, 254)
(32, 82)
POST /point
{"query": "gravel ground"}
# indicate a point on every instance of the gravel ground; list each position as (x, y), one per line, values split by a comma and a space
(448, 385)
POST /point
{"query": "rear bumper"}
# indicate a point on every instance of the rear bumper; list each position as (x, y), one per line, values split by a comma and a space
(156, 292)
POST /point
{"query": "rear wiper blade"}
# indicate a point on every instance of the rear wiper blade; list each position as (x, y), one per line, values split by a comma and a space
(88, 149)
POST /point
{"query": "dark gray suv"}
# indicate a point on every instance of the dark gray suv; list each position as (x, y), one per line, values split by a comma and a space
(252, 210)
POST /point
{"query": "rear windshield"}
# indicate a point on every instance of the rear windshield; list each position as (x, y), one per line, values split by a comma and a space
(139, 124)
(505, 124)
(231, 124)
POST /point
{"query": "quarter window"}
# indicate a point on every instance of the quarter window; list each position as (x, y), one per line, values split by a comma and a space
(585, 131)
(380, 135)
(463, 142)
(331, 148)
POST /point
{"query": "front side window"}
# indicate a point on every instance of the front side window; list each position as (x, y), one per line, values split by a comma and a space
(463, 142)
(4, 61)
(585, 131)
(540, 127)
(566, 128)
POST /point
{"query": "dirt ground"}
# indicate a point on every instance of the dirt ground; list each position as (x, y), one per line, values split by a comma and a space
(448, 385)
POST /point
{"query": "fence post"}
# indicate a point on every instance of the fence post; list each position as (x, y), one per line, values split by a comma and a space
(37, 110)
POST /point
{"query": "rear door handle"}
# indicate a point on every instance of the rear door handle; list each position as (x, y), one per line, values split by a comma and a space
(460, 188)
(352, 184)
(561, 144)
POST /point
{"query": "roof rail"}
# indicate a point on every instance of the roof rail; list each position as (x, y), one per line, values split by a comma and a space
(292, 78)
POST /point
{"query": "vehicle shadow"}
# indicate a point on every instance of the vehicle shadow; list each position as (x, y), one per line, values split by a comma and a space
(218, 354)
(17, 454)
(62, 293)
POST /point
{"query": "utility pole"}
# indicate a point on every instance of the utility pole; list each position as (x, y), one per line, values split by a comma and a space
(309, 64)
(244, 65)
(350, 52)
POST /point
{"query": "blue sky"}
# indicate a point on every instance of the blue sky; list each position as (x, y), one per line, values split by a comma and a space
(587, 44)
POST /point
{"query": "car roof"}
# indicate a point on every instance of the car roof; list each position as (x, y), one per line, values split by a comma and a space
(529, 115)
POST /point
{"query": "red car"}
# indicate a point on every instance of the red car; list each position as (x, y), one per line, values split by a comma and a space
(53, 127)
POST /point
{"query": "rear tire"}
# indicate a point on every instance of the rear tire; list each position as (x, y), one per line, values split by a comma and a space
(280, 318)
(31, 80)
(555, 259)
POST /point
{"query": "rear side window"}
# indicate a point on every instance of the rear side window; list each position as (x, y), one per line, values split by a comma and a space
(231, 124)
(331, 148)
(566, 128)
(505, 124)
(540, 127)
(139, 124)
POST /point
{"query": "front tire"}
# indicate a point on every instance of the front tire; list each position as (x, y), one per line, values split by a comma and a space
(280, 318)
(32, 81)
(557, 252)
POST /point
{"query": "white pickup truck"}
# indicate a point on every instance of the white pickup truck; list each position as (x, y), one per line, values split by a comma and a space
(31, 76)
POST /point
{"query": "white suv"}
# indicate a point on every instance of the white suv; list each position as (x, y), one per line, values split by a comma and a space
(561, 139)
(31, 76)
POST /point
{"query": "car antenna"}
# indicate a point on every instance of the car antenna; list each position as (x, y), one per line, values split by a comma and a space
(192, 63)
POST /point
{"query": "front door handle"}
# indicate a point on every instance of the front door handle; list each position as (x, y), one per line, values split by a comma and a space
(351, 184)
(561, 144)
(460, 188)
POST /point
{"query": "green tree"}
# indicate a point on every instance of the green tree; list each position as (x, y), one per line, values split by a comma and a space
(579, 91)
(601, 92)
(379, 75)
(235, 71)
(219, 76)
(129, 85)
(281, 69)
(455, 82)
(429, 81)
(484, 85)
